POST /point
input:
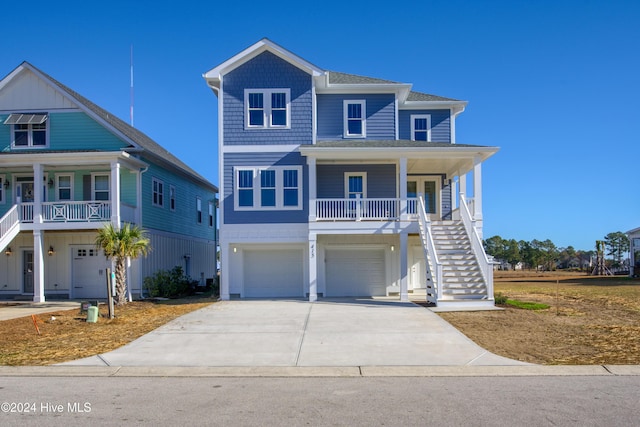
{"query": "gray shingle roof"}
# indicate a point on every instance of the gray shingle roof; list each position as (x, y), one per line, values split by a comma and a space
(139, 138)
(353, 79)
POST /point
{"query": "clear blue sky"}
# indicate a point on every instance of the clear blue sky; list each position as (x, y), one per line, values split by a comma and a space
(554, 84)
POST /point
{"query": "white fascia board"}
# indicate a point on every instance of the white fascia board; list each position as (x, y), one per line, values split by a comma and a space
(12, 75)
(70, 159)
(339, 153)
(435, 105)
(256, 49)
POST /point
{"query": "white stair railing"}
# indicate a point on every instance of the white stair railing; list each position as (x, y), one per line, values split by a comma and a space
(9, 226)
(476, 246)
(430, 254)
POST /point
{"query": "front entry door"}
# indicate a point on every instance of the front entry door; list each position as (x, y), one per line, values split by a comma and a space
(25, 192)
(27, 277)
(428, 186)
(418, 268)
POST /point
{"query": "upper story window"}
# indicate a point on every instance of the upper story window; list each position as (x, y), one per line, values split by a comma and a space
(199, 210)
(355, 185)
(64, 187)
(211, 210)
(28, 130)
(269, 188)
(267, 108)
(355, 122)
(157, 192)
(172, 197)
(421, 127)
(100, 187)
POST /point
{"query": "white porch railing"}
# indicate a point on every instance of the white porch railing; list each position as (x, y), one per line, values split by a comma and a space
(476, 246)
(9, 225)
(85, 211)
(430, 254)
(357, 209)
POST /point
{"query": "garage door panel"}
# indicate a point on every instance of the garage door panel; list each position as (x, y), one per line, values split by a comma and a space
(273, 273)
(355, 272)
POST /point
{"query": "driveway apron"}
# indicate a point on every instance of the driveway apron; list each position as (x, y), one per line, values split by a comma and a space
(330, 332)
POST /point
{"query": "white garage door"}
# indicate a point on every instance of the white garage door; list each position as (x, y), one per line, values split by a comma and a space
(355, 272)
(89, 272)
(273, 273)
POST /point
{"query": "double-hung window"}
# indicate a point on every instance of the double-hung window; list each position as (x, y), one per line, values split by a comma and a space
(199, 210)
(100, 187)
(267, 108)
(172, 197)
(355, 119)
(211, 210)
(157, 193)
(420, 127)
(64, 187)
(29, 129)
(268, 188)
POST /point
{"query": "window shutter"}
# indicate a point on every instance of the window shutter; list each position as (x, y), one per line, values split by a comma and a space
(86, 187)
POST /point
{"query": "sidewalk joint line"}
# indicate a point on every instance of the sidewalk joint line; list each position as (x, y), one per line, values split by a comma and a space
(304, 332)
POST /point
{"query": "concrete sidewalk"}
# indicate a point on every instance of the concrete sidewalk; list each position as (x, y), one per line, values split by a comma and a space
(15, 309)
(296, 333)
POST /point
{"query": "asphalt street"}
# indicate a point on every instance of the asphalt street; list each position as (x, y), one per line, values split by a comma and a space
(353, 401)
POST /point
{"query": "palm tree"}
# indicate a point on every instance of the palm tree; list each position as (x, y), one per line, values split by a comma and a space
(130, 241)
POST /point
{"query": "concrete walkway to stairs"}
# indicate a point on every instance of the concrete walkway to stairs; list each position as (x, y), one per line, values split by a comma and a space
(296, 333)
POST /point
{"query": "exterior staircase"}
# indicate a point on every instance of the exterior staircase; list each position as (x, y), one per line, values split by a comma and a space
(462, 278)
(9, 227)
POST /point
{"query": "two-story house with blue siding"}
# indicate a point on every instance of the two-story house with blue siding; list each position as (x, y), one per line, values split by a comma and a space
(67, 167)
(336, 185)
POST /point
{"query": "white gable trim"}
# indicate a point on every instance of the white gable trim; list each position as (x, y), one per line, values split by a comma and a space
(256, 49)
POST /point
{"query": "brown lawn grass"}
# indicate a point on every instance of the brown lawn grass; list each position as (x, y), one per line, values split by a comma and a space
(591, 320)
(70, 337)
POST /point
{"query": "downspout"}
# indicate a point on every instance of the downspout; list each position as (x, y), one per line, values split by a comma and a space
(455, 111)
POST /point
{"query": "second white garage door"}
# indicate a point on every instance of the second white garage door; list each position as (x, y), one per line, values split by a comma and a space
(355, 272)
(273, 273)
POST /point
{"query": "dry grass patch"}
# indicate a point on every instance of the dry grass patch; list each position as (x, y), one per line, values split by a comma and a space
(590, 320)
(70, 337)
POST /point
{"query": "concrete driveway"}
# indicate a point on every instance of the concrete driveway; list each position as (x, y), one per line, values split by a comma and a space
(336, 332)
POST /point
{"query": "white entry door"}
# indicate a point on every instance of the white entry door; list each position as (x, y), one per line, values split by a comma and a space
(418, 267)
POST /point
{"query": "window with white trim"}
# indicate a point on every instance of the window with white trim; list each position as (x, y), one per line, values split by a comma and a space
(199, 210)
(421, 127)
(29, 130)
(267, 108)
(355, 185)
(157, 192)
(211, 210)
(172, 197)
(64, 187)
(355, 118)
(268, 188)
(100, 186)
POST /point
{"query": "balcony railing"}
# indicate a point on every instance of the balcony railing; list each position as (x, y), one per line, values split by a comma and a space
(375, 209)
(86, 211)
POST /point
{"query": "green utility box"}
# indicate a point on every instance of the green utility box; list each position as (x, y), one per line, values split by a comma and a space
(92, 314)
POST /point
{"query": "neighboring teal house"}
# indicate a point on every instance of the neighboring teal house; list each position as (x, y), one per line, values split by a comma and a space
(67, 167)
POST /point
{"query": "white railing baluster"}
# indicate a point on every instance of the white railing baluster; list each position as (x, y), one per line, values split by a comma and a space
(476, 245)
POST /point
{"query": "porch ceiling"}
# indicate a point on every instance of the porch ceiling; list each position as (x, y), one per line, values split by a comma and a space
(421, 157)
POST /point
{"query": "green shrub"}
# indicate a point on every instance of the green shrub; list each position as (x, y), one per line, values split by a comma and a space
(500, 299)
(169, 284)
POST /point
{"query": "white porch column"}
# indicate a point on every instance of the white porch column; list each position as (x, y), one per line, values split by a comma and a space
(313, 187)
(404, 281)
(402, 182)
(463, 186)
(455, 190)
(38, 266)
(224, 270)
(313, 267)
(115, 194)
(38, 192)
(477, 189)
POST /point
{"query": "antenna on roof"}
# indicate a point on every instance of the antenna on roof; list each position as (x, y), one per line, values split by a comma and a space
(131, 91)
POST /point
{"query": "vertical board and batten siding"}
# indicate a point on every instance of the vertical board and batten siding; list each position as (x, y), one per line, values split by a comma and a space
(440, 124)
(267, 71)
(169, 251)
(183, 220)
(381, 180)
(380, 115)
(231, 216)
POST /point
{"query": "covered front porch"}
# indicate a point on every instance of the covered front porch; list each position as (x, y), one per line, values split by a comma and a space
(63, 193)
